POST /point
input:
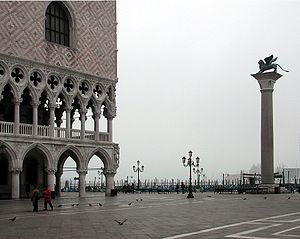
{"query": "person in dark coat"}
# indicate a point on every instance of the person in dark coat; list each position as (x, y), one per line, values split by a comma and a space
(35, 197)
(47, 198)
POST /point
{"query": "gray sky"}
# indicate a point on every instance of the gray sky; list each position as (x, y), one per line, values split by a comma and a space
(184, 84)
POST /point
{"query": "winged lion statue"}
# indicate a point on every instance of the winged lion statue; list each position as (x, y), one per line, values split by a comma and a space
(269, 64)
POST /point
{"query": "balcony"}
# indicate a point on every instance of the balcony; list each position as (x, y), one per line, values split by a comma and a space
(8, 128)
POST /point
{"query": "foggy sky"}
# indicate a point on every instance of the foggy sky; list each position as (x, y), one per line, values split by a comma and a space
(184, 84)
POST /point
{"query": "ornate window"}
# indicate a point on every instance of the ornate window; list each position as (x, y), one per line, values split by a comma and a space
(57, 24)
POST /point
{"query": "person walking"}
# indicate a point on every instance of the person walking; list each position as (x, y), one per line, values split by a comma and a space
(47, 198)
(35, 197)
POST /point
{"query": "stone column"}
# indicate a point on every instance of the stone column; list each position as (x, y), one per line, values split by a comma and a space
(82, 121)
(97, 126)
(68, 122)
(15, 183)
(58, 183)
(51, 175)
(17, 116)
(82, 174)
(266, 82)
(34, 118)
(110, 183)
(110, 129)
(52, 115)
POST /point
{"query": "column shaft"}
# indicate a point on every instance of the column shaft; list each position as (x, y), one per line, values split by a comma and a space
(15, 184)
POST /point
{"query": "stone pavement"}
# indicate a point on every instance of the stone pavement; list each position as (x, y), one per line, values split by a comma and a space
(170, 216)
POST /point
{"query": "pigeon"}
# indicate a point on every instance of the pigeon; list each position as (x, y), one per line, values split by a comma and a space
(59, 205)
(13, 219)
(289, 198)
(77, 204)
(244, 198)
(129, 203)
(73, 205)
(100, 204)
(121, 223)
(90, 204)
(136, 200)
(141, 199)
(209, 196)
(265, 197)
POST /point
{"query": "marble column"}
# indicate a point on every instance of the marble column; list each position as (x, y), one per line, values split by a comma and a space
(110, 128)
(51, 176)
(68, 122)
(266, 82)
(58, 183)
(15, 183)
(52, 115)
(82, 174)
(17, 116)
(110, 183)
(97, 125)
(82, 120)
(34, 118)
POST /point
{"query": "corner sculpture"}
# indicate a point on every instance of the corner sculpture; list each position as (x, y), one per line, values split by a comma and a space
(269, 64)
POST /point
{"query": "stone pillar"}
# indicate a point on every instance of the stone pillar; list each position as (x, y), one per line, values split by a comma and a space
(68, 122)
(58, 183)
(110, 183)
(52, 115)
(82, 174)
(266, 82)
(51, 174)
(110, 129)
(34, 118)
(17, 116)
(15, 183)
(97, 126)
(82, 120)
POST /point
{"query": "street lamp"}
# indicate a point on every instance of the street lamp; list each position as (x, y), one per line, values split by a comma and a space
(138, 169)
(100, 173)
(199, 172)
(190, 163)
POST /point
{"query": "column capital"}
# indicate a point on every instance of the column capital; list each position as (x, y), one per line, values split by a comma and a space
(109, 172)
(82, 172)
(51, 171)
(267, 80)
(15, 170)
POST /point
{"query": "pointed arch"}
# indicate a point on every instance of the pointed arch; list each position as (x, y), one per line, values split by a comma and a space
(104, 156)
(6, 148)
(69, 151)
(41, 148)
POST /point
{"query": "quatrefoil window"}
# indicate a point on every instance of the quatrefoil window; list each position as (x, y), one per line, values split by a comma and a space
(17, 74)
(83, 88)
(36, 78)
(97, 91)
(69, 85)
(52, 82)
(2, 71)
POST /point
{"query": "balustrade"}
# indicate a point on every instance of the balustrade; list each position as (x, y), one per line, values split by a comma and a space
(44, 131)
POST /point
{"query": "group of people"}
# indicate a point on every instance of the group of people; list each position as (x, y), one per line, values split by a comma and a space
(35, 197)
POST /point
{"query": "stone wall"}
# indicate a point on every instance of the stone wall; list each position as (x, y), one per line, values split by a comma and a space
(93, 51)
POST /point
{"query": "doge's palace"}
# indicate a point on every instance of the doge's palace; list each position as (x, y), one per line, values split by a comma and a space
(58, 62)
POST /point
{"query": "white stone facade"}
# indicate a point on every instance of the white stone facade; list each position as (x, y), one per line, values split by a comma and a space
(43, 85)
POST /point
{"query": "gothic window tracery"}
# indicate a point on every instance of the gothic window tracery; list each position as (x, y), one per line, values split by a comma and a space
(69, 85)
(97, 91)
(17, 74)
(83, 88)
(52, 82)
(35, 78)
(2, 71)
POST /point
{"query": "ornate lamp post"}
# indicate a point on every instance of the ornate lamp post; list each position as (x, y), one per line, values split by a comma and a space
(100, 173)
(199, 172)
(190, 163)
(138, 169)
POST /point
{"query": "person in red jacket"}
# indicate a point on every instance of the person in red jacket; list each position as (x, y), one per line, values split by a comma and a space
(47, 198)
